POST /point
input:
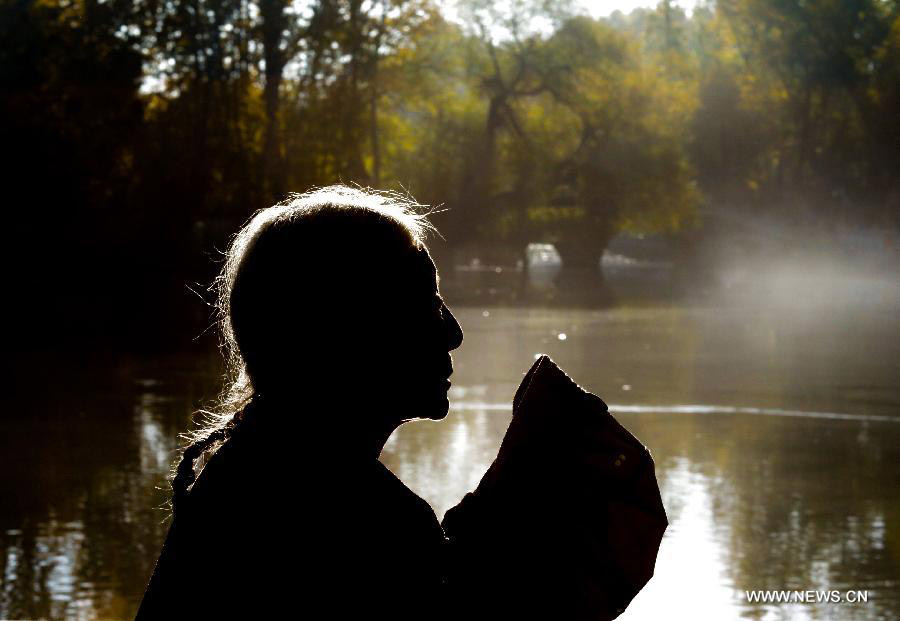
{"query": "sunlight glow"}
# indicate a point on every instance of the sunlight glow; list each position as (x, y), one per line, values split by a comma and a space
(604, 8)
(691, 573)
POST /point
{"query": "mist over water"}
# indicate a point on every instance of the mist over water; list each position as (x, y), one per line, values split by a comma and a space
(808, 286)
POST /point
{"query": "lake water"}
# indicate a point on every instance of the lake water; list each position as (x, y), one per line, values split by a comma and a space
(776, 435)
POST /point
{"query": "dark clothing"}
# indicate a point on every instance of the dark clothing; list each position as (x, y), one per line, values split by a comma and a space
(267, 535)
(565, 524)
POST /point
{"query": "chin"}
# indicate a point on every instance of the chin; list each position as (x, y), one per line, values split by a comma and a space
(438, 410)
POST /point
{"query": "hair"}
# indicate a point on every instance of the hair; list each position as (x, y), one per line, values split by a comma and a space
(267, 248)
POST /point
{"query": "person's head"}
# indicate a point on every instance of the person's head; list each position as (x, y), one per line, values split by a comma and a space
(332, 295)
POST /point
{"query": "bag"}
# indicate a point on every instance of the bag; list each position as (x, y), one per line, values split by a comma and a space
(568, 519)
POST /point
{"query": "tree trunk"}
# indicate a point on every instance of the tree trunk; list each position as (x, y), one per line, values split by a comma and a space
(580, 281)
(273, 27)
(376, 145)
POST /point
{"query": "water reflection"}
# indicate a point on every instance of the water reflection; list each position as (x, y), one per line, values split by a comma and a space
(775, 504)
(85, 448)
(776, 445)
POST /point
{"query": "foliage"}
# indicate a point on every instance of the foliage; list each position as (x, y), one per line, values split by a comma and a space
(173, 120)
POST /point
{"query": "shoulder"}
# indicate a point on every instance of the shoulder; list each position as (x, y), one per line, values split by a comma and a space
(224, 487)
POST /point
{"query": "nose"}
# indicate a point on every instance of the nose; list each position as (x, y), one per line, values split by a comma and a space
(454, 330)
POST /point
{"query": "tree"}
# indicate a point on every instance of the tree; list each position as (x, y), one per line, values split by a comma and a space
(814, 67)
(69, 108)
(628, 169)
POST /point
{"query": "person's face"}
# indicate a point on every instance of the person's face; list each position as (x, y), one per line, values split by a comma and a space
(420, 362)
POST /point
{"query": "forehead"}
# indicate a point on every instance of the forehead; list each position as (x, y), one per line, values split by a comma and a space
(398, 279)
(406, 292)
(424, 267)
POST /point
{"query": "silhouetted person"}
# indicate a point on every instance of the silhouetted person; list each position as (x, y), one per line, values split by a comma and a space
(335, 334)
